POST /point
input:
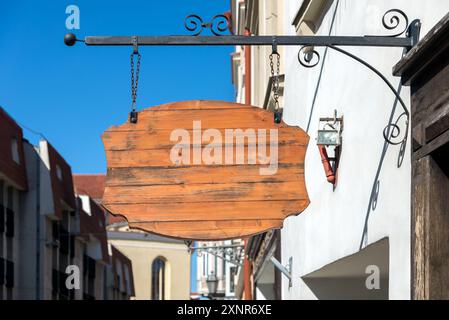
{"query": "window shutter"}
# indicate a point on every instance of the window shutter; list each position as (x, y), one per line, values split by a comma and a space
(91, 268)
(2, 218)
(9, 223)
(9, 274)
(72, 246)
(2, 272)
(64, 241)
(54, 281)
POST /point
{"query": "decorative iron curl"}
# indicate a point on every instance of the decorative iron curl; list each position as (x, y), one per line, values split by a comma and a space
(219, 24)
(393, 131)
(195, 24)
(308, 57)
(391, 20)
(402, 150)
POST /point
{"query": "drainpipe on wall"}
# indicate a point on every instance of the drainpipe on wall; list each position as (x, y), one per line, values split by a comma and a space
(247, 291)
(247, 71)
(38, 229)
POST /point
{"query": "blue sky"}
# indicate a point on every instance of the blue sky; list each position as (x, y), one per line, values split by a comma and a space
(73, 94)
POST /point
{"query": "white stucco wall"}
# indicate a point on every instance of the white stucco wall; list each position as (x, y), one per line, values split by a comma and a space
(332, 226)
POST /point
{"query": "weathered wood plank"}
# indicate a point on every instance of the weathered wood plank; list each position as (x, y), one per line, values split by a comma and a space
(142, 176)
(210, 190)
(430, 229)
(289, 190)
(206, 230)
(433, 145)
(221, 210)
(293, 154)
(210, 118)
(200, 105)
(160, 139)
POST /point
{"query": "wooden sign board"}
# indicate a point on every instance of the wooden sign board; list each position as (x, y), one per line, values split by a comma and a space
(205, 170)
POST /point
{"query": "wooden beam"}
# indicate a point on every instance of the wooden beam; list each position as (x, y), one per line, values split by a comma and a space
(430, 230)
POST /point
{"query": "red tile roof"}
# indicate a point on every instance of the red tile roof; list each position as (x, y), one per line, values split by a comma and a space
(93, 185)
(9, 130)
(90, 184)
(62, 186)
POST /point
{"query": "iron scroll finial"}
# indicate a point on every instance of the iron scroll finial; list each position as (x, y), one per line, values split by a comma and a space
(308, 57)
(195, 24)
(391, 20)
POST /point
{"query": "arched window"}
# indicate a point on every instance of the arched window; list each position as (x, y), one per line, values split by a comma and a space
(158, 279)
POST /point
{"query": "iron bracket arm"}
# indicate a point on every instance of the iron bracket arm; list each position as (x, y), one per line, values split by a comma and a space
(365, 41)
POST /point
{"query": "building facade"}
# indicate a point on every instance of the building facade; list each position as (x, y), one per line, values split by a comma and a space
(48, 233)
(218, 262)
(360, 226)
(160, 265)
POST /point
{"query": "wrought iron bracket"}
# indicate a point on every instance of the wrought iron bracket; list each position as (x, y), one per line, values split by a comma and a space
(221, 23)
(393, 20)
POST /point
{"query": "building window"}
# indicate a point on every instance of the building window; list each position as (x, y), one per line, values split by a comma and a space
(89, 267)
(204, 266)
(15, 150)
(9, 223)
(158, 279)
(232, 274)
(2, 272)
(2, 216)
(9, 281)
(59, 172)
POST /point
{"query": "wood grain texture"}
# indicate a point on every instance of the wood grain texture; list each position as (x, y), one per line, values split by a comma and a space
(197, 199)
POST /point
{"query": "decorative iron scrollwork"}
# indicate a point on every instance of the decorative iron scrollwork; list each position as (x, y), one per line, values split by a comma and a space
(218, 25)
(392, 131)
(308, 57)
(391, 20)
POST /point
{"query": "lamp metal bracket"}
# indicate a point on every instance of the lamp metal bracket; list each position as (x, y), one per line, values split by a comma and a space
(286, 270)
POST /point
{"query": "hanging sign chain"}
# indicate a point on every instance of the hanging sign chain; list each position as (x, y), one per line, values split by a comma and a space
(275, 83)
(134, 79)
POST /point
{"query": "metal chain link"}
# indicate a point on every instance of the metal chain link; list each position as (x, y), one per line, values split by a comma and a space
(275, 76)
(134, 79)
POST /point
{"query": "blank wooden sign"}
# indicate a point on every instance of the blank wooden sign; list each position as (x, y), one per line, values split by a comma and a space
(205, 170)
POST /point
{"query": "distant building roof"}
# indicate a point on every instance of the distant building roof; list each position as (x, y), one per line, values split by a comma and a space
(90, 184)
(93, 185)
(12, 159)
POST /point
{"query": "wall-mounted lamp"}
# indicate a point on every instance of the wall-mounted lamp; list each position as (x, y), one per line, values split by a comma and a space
(329, 135)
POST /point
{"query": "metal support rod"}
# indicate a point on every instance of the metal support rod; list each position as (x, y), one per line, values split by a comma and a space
(238, 263)
(365, 41)
(286, 272)
(217, 247)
